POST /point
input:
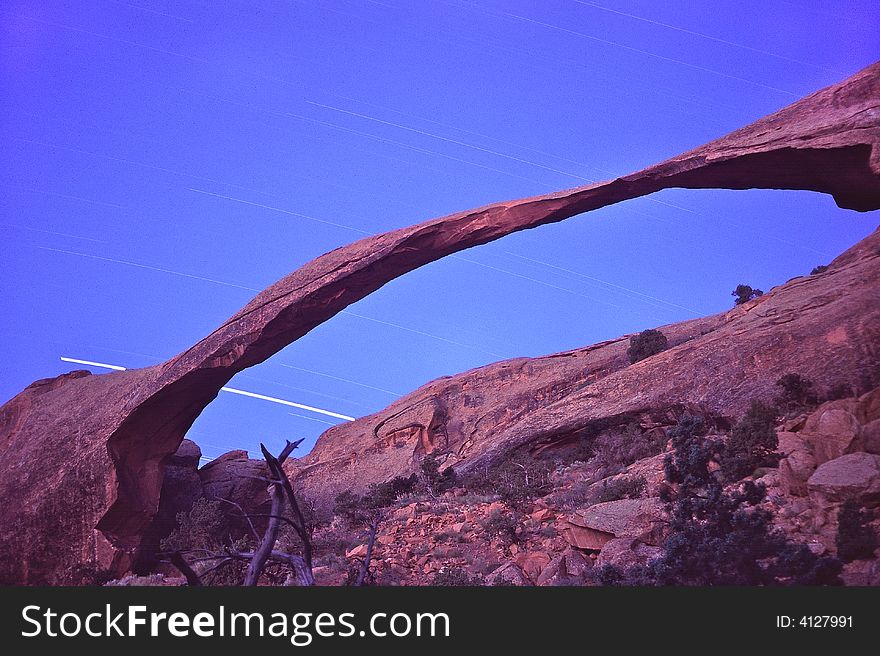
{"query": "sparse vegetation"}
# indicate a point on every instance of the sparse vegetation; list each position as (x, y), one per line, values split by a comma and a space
(855, 537)
(645, 344)
(822, 268)
(796, 394)
(501, 524)
(517, 480)
(622, 488)
(436, 481)
(751, 444)
(203, 527)
(455, 576)
(745, 293)
(720, 537)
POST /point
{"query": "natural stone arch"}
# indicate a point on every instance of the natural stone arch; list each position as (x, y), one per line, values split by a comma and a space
(109, 435)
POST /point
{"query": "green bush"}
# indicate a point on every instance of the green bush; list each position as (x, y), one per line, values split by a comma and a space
(752, 443)
(744, 293)
(622, 488)
(718, 536)
(822, 268)
(518, 480)
(796, 394)
(855, 537)
(437, 481)
(204, 526)
(455, 576)
(645, 344)
(501, 524)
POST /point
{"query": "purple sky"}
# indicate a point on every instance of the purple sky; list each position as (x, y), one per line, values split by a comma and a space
(161, 161)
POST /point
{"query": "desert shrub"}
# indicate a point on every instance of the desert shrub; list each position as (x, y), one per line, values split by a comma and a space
(796, 393)
(616, 449)
(622, 488)
(744, 293)
(688, 464)
(718, 536)
(357, 509)
(645, 344)
(822, 268)
(517, 480)
(839, 391)
(455, 576)
(752, 443)
(204, 526)
(436, 480)
(571, 497)
(855, 537)
(726, 538)
(501, 524)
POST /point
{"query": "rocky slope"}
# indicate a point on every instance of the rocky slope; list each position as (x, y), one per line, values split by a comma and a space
(825, 327)
(83, 456)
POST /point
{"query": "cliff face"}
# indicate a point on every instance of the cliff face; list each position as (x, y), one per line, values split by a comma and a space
(98, 444)
(825, 327)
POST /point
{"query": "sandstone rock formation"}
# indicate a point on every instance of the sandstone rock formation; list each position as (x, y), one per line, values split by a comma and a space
(84, 455)
(825, 327)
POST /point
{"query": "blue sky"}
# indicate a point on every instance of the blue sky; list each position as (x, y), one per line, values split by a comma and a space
(162, 160)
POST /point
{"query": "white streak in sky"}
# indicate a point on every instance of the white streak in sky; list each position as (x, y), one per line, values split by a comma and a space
(55, 193)
(320, 421)
(604, 282)
(344, 380)
(448, 140)
(113, 38)
(52, 232)
(632, 49)
(278, 209)
(252, 289)
(89, 363)
(705, 36)
(147, 266)
(231, 390)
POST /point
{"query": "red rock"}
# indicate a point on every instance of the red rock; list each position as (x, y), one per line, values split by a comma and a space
(853, 476)
(357, 552)
(532, 563)
(99, 443)
(871, 436)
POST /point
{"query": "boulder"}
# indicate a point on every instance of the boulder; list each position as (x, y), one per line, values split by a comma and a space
(868, 409)
(507, 574)
(595, 526)
(233, 477)
(626, 552)
(871, 436)
(797, 467)
(853, 476)
(532, 563)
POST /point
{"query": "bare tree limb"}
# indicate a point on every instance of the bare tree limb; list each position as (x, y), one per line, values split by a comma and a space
(243, 514)
(365, 566)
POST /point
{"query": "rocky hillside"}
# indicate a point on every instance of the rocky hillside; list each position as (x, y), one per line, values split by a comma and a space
(825, 327)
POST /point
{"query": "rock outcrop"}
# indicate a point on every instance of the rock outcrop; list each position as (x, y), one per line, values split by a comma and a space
(825, 327)
(84, 456)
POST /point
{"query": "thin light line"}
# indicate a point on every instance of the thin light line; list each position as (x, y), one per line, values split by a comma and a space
(89, 363)
(55, 193)
(320, 421)
(278, 209)
(111, 38)
(231, 390)
(52, 232)
(604, 282)
(706, 36)
(630, 48)
(147, 266)
(448, 140)
(344, 380)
